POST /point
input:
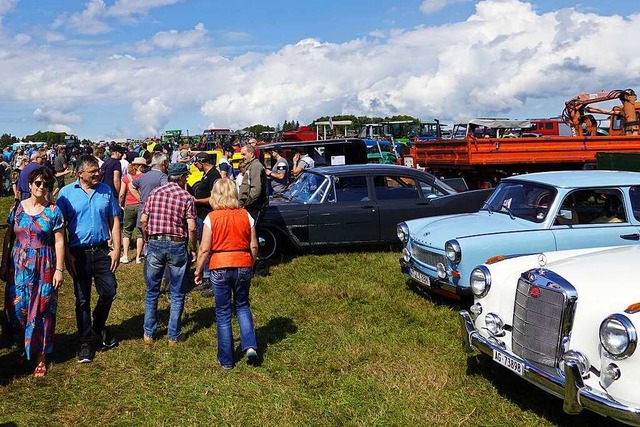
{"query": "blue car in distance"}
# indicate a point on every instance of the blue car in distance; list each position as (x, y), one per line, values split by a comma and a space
(526, 214)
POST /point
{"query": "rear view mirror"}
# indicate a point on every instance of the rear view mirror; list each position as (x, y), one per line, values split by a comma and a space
(566, 214)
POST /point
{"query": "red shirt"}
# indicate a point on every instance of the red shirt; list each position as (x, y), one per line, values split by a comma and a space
(128, 198)
(169, 207)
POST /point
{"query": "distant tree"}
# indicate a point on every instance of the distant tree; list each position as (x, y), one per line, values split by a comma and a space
(257, 129)
(49, 137)
(7, 139)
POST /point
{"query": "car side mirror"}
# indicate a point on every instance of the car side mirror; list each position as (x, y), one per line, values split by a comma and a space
(565, 214)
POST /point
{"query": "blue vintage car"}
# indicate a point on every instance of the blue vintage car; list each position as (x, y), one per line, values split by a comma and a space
(525, 214)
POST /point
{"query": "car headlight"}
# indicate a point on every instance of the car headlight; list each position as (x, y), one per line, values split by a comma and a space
(452, 251)
(618, 336)
(480, 281)
(402, 232)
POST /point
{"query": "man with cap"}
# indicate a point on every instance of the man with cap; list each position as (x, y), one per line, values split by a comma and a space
(201, 192)
(279, 174)
(111, 169)
(169, 221)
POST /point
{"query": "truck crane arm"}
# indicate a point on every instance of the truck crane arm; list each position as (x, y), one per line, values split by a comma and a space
(575, 108)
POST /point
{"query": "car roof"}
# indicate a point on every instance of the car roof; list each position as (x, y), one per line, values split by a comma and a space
(368, 167)
(581, 178)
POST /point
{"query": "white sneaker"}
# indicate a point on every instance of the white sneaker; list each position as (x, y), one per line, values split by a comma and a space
(139, 260)
(124, 259)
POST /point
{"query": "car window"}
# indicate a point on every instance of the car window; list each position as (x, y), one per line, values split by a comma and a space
(308, 187)
(526, 200)
(592, 206)
(351, 189)
(634, 197)
(395, 188)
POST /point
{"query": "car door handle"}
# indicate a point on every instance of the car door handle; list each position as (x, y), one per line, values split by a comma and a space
(634, 236)
(422, 203)
(367, 206)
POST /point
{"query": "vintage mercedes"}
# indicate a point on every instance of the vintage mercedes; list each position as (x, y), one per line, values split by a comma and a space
(566, 321)
(525, 214)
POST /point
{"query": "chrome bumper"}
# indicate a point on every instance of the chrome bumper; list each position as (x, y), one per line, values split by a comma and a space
(575, 394)
(436, 283)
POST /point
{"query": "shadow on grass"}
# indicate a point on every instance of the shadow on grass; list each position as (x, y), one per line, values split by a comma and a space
(528, 397)
(437, 299)
(276, 330)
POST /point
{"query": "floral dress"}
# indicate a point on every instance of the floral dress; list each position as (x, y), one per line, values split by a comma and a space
(31, 301)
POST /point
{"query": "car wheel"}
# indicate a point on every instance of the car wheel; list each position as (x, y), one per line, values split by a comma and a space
(269, 244)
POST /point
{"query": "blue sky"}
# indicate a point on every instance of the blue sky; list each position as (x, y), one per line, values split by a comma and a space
(132, 68)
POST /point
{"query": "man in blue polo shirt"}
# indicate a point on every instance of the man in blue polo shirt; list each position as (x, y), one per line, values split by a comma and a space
(91, 212)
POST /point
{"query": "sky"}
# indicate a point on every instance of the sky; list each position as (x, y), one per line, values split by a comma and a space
(113, 69)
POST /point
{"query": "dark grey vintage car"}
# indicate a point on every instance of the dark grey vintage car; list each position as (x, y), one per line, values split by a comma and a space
(356, 205)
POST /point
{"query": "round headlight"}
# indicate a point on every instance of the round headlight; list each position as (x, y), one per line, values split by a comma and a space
(452, 251)
(494, 324)
(618, 336)
(406, 255)
(402, 231)
(480, 281)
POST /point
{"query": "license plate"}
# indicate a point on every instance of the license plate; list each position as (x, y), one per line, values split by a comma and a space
(419, 277)
(508, 362)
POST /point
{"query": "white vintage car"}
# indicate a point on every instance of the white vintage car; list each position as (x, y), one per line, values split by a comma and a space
(566, 321)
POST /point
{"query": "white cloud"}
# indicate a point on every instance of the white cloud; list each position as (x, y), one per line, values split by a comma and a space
(180, 40)
(56, 120)
(7, 6)
(433, 6)
(151, 116)
(92, 19)
(128, 8)
(485, 65)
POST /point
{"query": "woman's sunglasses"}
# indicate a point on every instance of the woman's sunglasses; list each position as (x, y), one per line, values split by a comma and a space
(40, 184)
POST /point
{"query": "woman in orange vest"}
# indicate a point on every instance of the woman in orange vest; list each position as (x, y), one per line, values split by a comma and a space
(229, 235)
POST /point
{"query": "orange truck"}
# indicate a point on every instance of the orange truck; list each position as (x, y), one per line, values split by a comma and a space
(494, 148)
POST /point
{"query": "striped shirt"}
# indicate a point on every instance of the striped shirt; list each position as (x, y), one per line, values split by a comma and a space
(168, 208)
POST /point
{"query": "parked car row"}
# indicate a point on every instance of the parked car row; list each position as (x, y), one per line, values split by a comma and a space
(356, 205)
(550, 264)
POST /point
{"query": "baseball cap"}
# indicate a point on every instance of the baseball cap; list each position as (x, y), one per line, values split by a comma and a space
(203, 157)
(177, 169)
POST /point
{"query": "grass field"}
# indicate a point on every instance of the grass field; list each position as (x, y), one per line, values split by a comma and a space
(346, 341)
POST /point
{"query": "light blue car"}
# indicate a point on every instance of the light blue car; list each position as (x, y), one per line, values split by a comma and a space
(525, 214)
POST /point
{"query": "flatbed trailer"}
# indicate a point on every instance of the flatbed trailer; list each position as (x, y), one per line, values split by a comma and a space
(486, 160)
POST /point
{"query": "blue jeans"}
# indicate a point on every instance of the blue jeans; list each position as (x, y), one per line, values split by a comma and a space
(232, 284)
(93, 265)
(173, 256)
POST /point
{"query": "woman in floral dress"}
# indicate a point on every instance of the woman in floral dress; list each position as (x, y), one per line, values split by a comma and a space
(34, 269)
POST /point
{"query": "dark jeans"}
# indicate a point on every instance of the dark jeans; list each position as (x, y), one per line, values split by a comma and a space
(94, 265)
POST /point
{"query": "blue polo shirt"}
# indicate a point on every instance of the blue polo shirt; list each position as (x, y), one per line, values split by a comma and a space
(87, 215)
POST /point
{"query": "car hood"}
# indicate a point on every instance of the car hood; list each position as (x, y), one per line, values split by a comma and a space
(435, 231)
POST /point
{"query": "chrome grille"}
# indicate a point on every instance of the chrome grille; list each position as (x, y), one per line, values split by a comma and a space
(540, 322)
(426, 257)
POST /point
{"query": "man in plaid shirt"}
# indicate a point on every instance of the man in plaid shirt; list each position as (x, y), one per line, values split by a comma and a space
(169, 221)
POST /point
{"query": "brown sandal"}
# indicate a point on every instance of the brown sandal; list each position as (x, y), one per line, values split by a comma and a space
(40, 371)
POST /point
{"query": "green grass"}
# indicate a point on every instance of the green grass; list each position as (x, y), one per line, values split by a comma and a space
(346, 341)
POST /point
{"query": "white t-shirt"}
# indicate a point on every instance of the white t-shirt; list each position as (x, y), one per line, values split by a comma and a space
(207, 221)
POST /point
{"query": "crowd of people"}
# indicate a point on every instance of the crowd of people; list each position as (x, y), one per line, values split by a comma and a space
(80, 210)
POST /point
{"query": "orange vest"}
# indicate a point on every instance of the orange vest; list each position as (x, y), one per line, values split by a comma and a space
(230, 239)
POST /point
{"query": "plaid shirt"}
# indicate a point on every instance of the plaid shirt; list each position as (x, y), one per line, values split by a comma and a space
(168, 208)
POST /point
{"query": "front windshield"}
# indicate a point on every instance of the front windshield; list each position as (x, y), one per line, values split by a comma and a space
(526, 200)
(308, 188)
